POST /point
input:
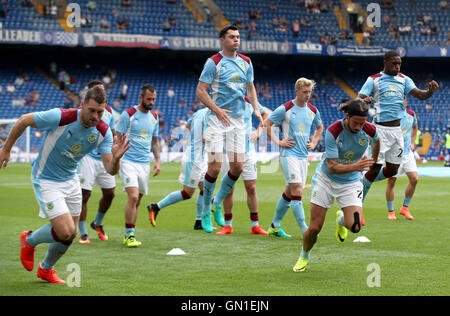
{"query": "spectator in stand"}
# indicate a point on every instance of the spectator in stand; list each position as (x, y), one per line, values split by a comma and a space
(172, 20)
(19, 81)
(304, 22)
(443, 4)
(425, 30)
(333, 40)
(36, 98)
(3, 10)
(92, 6)
(434, 29)
(115, 12)
(295, 28)
(126, 3)
(123, 91)
(323, 7)
(26, 3)
(104, 23)
(275, 22)
(170, 92)
(182, 102)
(386, 19)
(116, 104)
(239, 24)
(166, 25)
(420, 19)
(427, 18)
(15, 103)
(29, 99)
(405, 30)
(10, 88)
(387, 4)
(273, 6)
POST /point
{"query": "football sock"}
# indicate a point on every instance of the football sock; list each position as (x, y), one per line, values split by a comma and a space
(341, 219)
(228, 220)
(173, 198)
(299, 212)
(129, 229)
(406, 201)
(82, 228)
(305, 254)
(390, 206)
(225, 188)
(282, 207)
(99, 218)
(255, 219)
(42, 235)
(208, 189)
(55, 251)
(199, 205)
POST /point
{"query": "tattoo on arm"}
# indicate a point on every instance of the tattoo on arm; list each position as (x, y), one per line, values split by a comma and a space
(155, 148)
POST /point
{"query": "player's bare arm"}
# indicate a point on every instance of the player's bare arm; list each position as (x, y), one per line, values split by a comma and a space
(376, 150)
(26, 120)
(337, 168)
(253, 97)
(414, 130)
(310, 145)
(427, 93)
(204, 97)
(256, 134)
(111, 162)
(365, 98)
(287, 142)
(156, 153)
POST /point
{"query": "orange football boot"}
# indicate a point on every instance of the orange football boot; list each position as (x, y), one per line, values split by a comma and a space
(26, 252)
(225, 230)
(49, 275)
(405, 212)
(258, 230)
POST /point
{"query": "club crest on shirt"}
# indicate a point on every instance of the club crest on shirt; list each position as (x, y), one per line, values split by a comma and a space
(50, 206)
(363, 141)
(92, 138)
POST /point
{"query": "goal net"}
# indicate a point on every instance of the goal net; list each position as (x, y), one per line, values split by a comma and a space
(22, 149)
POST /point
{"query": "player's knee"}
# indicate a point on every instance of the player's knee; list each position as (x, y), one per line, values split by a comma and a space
(133, 199)
(251, 189)
(391, 171)
(85, 196)
(314, 229)
(109, 195)
(186, 195)
(414, 179)
(67, 235)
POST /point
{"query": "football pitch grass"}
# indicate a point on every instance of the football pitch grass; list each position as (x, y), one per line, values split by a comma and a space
(403, 258)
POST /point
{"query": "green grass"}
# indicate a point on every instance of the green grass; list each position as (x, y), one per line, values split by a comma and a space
(413, 255)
